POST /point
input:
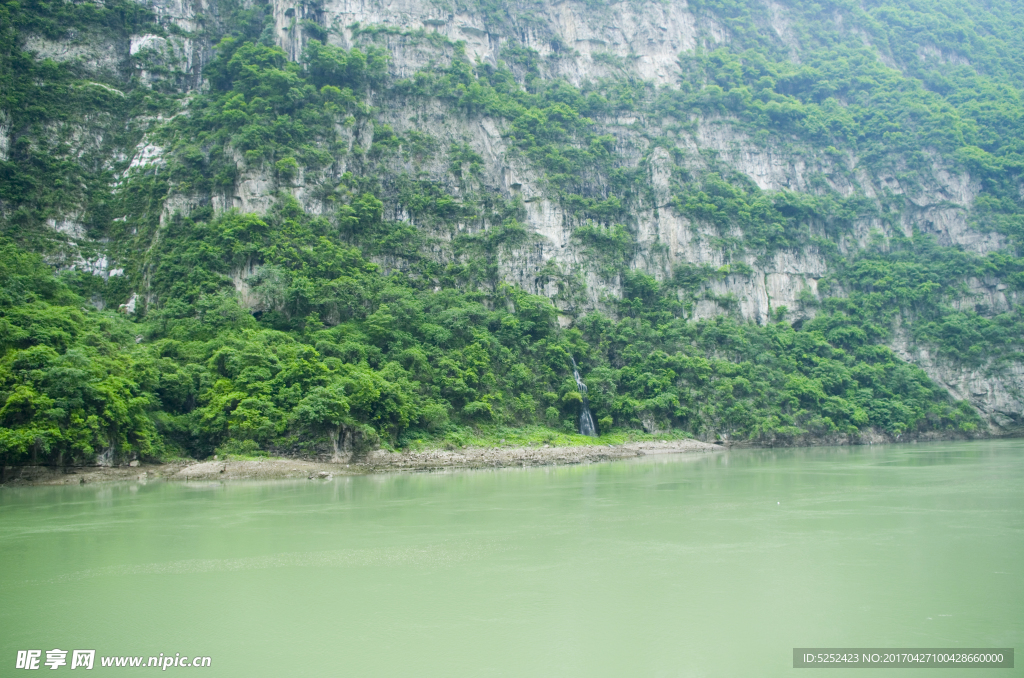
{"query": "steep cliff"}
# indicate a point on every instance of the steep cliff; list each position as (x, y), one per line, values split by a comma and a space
(770, 161)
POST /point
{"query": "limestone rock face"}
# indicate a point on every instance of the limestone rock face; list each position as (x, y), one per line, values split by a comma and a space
(578, 42)
(997, 391)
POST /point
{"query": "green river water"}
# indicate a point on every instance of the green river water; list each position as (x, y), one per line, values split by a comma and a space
(661, 566)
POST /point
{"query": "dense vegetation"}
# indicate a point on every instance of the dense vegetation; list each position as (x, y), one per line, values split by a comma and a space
(277, 331)
(400, 361)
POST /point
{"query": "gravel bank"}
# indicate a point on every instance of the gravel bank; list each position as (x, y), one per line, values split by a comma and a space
(378, 461)
(497, 457)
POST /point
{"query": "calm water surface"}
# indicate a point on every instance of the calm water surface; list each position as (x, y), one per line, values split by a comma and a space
(664, 566)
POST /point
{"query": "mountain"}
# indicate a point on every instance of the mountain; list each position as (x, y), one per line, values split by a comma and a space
(316, 227)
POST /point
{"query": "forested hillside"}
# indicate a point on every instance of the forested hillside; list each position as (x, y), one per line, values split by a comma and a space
(322, 227)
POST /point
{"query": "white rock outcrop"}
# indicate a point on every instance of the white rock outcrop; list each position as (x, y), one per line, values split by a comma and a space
(579, 42)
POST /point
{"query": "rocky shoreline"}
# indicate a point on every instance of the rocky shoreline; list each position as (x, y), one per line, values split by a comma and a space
(378, 461)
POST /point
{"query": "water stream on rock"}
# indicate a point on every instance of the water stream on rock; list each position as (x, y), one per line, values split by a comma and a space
(587, 427)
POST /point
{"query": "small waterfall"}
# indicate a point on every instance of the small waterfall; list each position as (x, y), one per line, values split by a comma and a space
(587, 427)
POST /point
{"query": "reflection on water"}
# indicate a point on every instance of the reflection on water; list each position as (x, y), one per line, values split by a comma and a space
(712, 565)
